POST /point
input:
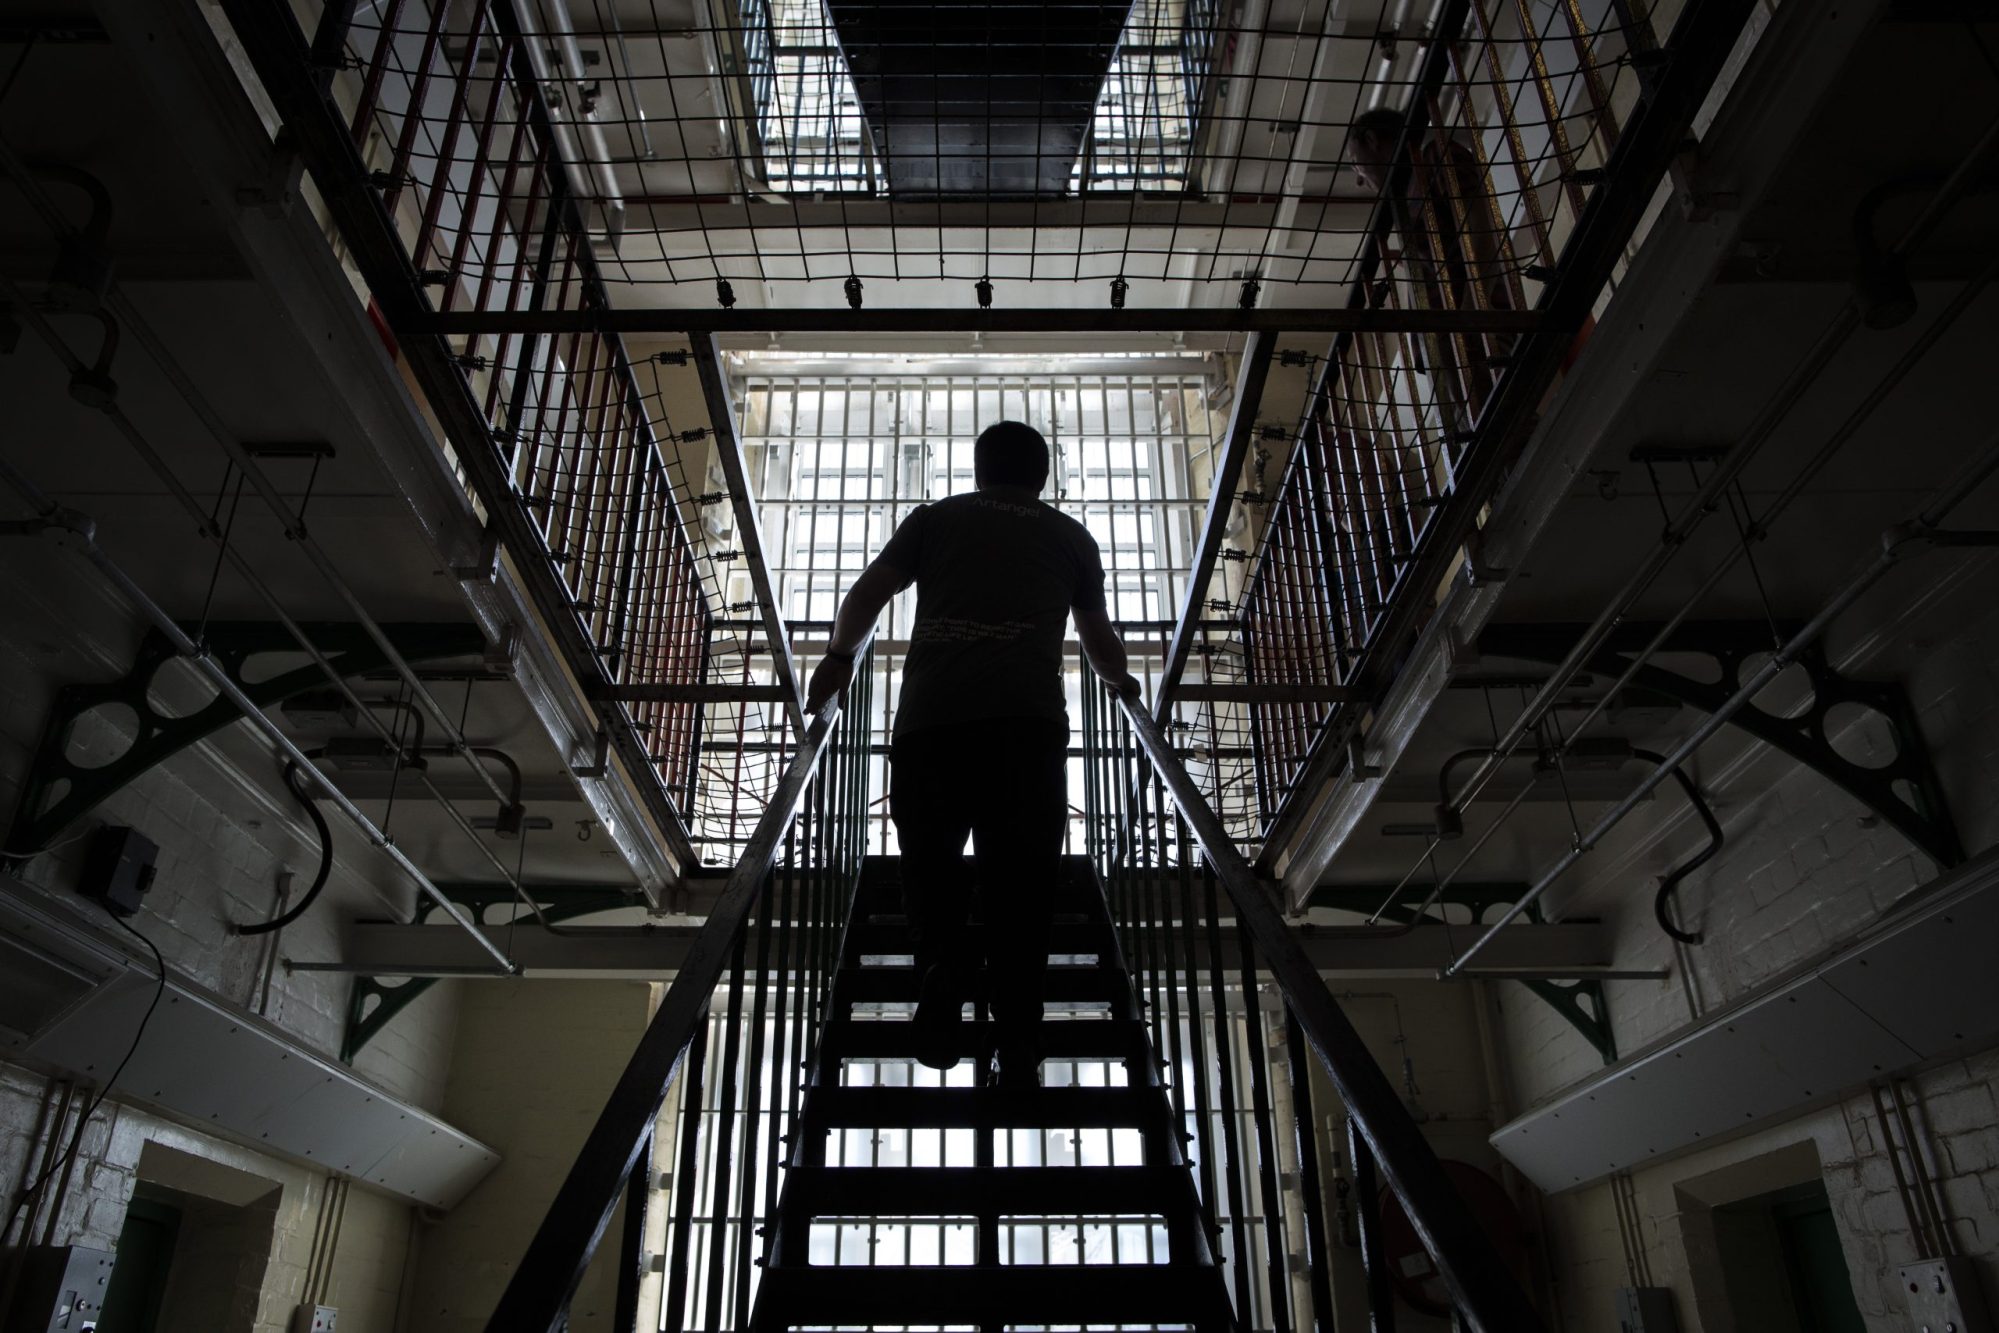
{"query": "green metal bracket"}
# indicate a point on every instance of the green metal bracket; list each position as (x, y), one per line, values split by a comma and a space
(1580, 1002)
(373, 1001)
(57, 791)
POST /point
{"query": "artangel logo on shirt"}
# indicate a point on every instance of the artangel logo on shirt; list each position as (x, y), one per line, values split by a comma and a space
(950, 629)
(1007, 506)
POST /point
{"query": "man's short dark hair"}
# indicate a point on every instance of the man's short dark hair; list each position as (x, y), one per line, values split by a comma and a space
(1010, 453)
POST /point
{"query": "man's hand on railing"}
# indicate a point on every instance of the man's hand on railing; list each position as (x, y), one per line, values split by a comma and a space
(1127, 686)
(829, 679)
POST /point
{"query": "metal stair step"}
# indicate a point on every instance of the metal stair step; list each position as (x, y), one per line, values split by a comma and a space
(1081, 1039)
(981, 1108)
(971, 1191)
(1057, 1296)
(890, 935)
(888, 985)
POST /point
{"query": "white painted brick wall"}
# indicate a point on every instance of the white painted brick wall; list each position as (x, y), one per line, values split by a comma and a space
(225, 829)
(224, 833)
(533, 1066)
(368, 1265)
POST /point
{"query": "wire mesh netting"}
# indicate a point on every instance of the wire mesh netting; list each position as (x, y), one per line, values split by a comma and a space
(766, 145)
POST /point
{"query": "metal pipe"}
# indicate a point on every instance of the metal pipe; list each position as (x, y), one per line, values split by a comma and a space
(1548, 696)
(294, 526)
(82, 536)
(580, 165)
(294, 529)
(1894, 544)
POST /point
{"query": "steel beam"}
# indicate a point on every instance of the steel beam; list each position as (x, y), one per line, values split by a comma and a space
(749, 532)
(1250, 380)
(912, 319)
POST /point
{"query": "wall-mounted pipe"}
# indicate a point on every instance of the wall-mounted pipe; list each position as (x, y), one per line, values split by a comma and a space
(79, 533)
(580, 142)
(1920, 532)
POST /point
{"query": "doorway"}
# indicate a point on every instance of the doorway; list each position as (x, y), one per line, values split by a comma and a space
(193, 1249)
(1782, 1263)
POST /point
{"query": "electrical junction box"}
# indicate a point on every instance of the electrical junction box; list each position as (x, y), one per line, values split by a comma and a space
(61, 1291)
(118, 868)
(313, 1319)
(1646, 1310)
(1944, 1297)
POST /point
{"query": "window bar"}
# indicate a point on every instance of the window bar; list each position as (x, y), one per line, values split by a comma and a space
(1266, 1142)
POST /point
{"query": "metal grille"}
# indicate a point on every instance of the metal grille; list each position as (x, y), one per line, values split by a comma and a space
(838, 460)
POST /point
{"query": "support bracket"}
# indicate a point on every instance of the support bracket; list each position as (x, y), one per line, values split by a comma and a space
(1580, 1003)
(57, 790)
(1904, 790)
(372, 1002)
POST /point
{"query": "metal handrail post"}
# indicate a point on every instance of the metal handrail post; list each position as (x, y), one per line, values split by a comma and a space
(537, 1296)
(1481, 1287)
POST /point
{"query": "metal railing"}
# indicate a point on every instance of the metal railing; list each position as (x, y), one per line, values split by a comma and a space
(767, 954)
(1512, 179)
(1180, 893)
(456, 186)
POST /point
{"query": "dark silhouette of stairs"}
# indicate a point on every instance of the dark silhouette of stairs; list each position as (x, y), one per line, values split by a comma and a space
(865, 1078)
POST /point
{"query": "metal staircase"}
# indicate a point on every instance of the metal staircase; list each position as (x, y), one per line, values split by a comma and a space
(1101, 1080)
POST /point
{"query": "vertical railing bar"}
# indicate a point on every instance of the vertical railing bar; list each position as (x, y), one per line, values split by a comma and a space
(1367, 1211)
(378, 65)
(753, 1107)
(692, 1088)
(1204, 1126)
(1318, 1256)
(1225, 1083)
(732, 1034)
(475, 188)
(413, 113)
(1266, 1143)
(440, 180)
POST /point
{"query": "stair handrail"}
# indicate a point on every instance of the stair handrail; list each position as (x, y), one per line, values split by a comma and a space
(1482, 1288)
(537, 1296)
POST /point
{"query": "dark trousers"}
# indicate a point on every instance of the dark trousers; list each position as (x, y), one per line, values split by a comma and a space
(1002, 783)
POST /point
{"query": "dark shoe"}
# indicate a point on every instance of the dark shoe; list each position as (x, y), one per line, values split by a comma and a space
(939, 1021)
